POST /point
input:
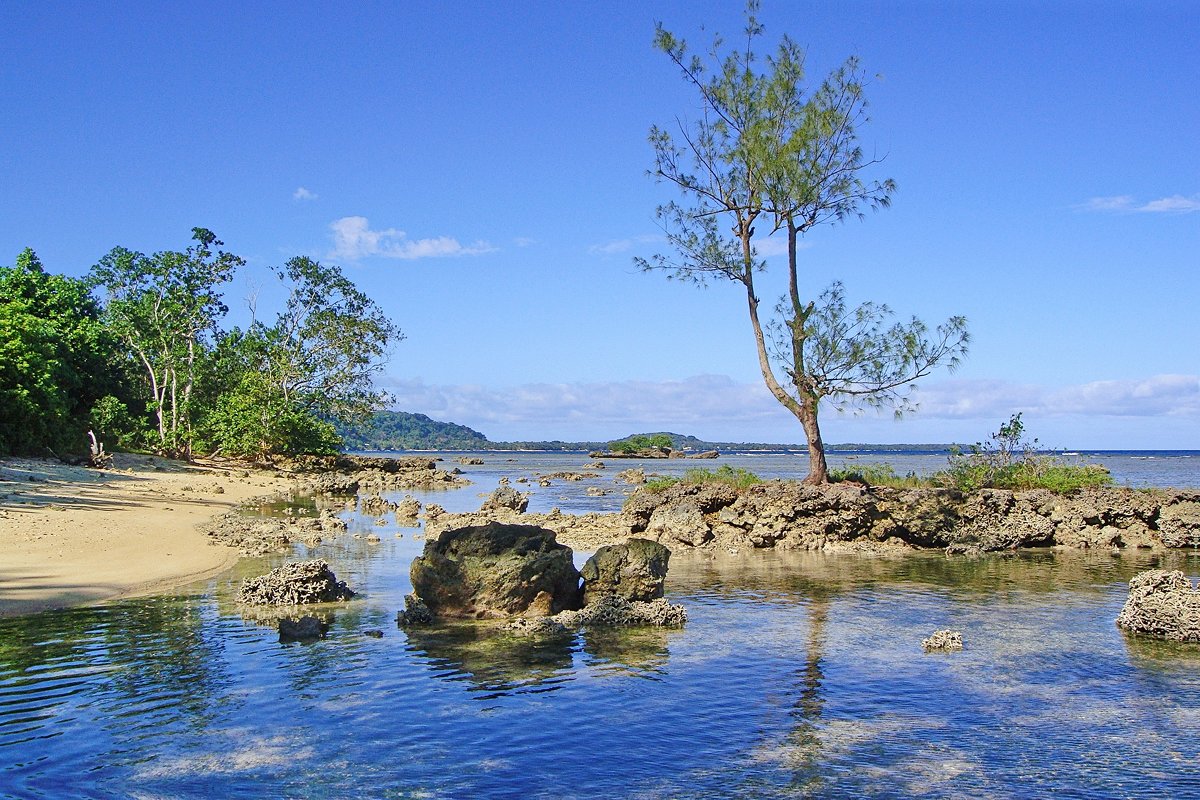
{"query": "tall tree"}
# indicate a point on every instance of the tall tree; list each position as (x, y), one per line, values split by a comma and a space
(165, 307)
(279, 387)
(767, 154)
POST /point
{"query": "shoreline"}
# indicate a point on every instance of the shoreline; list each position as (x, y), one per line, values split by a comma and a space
(73, 536)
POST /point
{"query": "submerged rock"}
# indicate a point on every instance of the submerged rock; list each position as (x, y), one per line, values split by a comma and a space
(495, 570)
(635, 570)
(1164, 604)
(294, 584)
(304, 629)
(944, 640)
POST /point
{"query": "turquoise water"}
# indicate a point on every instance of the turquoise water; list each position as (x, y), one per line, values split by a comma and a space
(798, 675)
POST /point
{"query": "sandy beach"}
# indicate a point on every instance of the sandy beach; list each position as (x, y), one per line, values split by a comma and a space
(73, 535)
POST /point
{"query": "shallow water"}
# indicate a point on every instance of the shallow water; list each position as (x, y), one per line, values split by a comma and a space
(798, 675)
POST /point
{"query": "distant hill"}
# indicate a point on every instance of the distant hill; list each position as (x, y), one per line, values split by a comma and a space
(401, 430)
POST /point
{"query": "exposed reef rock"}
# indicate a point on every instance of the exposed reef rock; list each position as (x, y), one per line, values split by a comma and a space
(346, 475)
(258, 536)
(846, 516)
(944, 640)
(506, 498)
(655, 452)
(613, 611)
(294, 584)
(635, 570)
(1162, 604)
(495, 570)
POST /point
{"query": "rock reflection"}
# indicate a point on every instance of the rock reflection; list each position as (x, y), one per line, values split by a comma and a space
(641, 652)
(494, 662)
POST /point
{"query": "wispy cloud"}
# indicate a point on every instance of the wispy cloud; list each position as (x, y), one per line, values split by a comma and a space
(1126, 204)
(353, 239)
(719, 407)
(303, 194)
(619, 246)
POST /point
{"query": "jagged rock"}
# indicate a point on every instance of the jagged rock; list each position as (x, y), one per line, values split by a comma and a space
(494, 570)
(375, 506)
(595, 491)
(304, 629)
(633, 476)
(504, 499)
(1163, 604)
(613, 611)
(294, 584)
(635, 570)
(408, 509)
(415, 612)
(706, 454)
(469, 461)
(945, 640)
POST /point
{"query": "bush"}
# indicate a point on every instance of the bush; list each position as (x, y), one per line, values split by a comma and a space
(876, 475)
(731, 476)
(996, 465)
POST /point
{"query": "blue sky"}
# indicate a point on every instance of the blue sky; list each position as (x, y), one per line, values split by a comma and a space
(480, 170)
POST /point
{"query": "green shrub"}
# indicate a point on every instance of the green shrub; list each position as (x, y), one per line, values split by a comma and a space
(876, 475)
(640, 442)
(996, 465)
(731, 476)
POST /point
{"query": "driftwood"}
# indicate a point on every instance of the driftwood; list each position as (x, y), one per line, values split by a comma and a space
(97, 457)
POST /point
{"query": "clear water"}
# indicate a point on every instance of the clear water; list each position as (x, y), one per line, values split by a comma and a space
(798, 675)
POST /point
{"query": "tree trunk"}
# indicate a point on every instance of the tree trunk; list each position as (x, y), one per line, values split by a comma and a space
(818, 469)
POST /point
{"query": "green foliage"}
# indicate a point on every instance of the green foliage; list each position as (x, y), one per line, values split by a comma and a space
(116, 427)
(642, 441)
(279, 389)
(878, 474)
(56, 359)
(731, 476)
(165, 307)
(1008, 461)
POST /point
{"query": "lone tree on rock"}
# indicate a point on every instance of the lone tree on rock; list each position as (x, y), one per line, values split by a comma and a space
(767, 153)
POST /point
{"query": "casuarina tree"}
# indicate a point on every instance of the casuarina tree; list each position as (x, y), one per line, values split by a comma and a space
(769, 154)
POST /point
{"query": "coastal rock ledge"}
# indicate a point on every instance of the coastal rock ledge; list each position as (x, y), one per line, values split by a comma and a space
(853, 517)
(1163, 604)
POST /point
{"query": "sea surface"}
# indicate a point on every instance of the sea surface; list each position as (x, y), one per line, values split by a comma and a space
(797, 675)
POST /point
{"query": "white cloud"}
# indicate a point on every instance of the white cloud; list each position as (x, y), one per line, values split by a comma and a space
(303, 194)
(1175, 204)
(619, 246)
(717, 407)
(353, 239)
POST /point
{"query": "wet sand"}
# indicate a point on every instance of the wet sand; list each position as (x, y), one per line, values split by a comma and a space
(73, 535)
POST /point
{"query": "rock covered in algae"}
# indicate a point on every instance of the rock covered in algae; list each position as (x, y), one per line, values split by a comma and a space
(294, 584)
(944, 640)
(1162, 603)
(635, 570)
(495, 570)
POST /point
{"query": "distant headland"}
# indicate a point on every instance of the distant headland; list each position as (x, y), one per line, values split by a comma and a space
(401, 430)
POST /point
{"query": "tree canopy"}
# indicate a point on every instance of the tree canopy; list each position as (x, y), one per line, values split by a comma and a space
(768, 155)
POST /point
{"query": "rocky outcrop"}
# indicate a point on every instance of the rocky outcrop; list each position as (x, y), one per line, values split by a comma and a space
(294, 584)
(655, 452)
(495, 570)
(945, 640)
(258, 536)
(634, 570)
(504, 499)
(851, 516)
(346, 475)
(613, 611)
(1162, 604)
